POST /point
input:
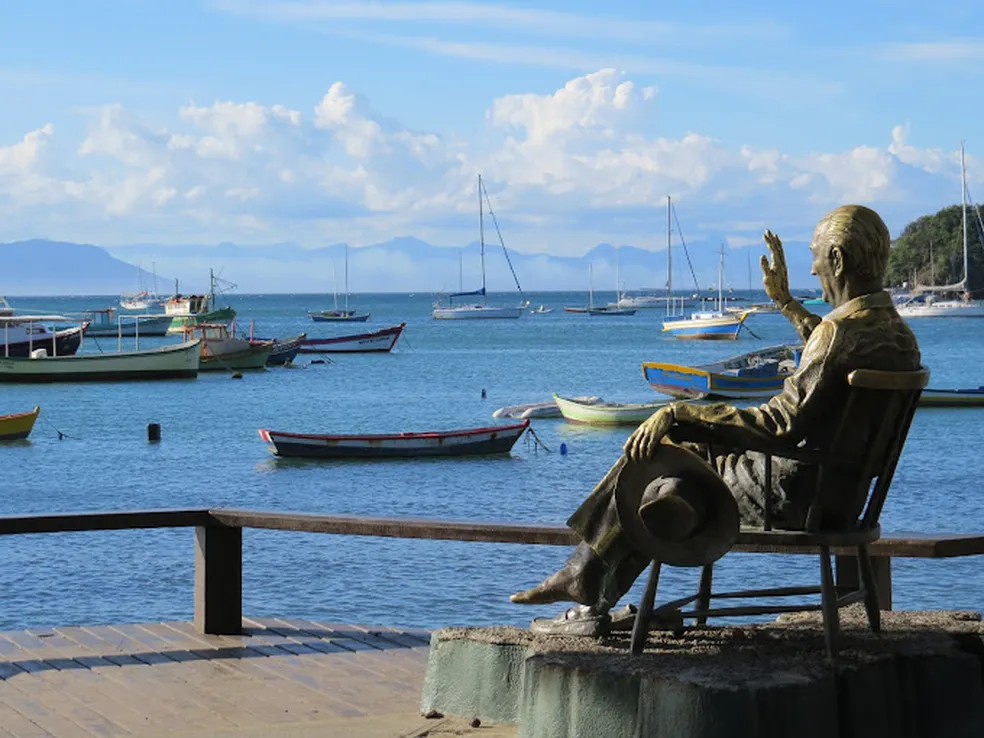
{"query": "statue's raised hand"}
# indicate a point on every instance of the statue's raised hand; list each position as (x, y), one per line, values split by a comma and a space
(775, 276)
(644, 439)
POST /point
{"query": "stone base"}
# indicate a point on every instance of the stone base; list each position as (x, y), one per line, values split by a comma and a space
(922, 676)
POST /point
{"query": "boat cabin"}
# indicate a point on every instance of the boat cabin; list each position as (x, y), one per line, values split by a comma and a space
(206, 331)
(186, 305)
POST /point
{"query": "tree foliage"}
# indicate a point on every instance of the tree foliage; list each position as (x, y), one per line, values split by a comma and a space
(939, 235)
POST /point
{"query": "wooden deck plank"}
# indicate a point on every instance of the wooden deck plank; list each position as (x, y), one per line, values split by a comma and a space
(166, 678)
(288, 667)
(161, 690)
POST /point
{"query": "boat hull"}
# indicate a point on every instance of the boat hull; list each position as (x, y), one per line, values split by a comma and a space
(477, 312)
(284, 349)
(254, 356)
(381, 341)
(169, 362)
(472, 442)
(612, 311)
(18, 426)
(713, 329)
(67, 340)
(756, 374)
(157, 326)
(339, 317)
(952, 398)
(944, 309)
(605, 413)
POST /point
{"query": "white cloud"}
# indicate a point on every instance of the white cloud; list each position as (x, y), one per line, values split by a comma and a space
(566, 169)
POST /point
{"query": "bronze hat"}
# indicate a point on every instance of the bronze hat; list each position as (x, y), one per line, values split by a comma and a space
(716, 530)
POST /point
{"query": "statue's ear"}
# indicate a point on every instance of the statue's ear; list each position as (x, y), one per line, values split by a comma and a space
(836, 257)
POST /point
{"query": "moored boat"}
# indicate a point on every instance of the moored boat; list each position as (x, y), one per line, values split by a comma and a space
(220, 351)
(468, 442)
(759, 373)
(179, 361)
(380, 341)
(606, 413)
(21, 335)
(952, 397)
(18, 426)
(709, 325)
(107, 323)
(284, 350)
(191, 309)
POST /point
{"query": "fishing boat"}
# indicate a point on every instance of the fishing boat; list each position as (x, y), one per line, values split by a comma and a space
(473, 441)
(179, 361)
(952, 397)
(922, 303)
(481, 310)
(222, 351)
(758, 373)
(283, 351)
(381, 341)
(339, 315)
(606, 413)
(191, 309)
(107, 323)
(18, 426)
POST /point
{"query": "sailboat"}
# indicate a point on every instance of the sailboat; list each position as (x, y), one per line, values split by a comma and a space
(923, 305)
(613, 308)
(336, 315)
(142, 299)
(705, 325)
(481, 310)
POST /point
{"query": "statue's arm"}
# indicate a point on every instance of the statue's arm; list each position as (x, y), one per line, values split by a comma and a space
(788, 416)
(802, 319)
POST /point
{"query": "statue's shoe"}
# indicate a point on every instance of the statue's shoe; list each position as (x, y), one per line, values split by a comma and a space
(575, 621)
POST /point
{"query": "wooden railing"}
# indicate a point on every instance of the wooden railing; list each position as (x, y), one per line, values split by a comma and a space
(219, 544)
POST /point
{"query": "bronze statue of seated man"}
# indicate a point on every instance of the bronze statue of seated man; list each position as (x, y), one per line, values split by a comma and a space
(850, 249)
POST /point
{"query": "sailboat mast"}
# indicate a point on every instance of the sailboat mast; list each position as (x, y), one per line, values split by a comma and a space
(590, 286)
(481, 235)
(720, 280)
(618, 297)
(963, 209)
(669, 257)
(346, 278)
(334, 284)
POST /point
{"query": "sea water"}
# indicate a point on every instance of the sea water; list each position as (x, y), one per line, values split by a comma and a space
(89, 452)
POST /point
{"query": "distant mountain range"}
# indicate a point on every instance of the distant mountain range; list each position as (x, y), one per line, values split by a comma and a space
(405, 264)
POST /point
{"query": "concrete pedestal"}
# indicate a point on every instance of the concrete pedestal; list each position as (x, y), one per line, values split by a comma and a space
(921, 677)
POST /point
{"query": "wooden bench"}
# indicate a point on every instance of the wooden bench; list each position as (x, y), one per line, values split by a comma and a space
(218, 533)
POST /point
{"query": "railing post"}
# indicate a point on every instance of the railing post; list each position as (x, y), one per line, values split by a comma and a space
(849, 575)
(219, 579)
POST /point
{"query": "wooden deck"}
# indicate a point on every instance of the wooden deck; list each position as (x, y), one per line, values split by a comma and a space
(282, 677)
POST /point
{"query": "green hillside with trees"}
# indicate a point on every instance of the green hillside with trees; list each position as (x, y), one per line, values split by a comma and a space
(942, 236)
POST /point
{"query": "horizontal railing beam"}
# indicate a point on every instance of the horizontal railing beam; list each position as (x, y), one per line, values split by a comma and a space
(105, 520)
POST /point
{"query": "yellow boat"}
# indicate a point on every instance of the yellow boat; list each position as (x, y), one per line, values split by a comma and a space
(17, 426)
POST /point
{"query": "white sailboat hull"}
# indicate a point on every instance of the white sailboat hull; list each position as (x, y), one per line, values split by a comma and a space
(477, 312)
(943, 309)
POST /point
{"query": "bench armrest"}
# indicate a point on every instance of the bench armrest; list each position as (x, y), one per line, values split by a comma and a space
(690, 434)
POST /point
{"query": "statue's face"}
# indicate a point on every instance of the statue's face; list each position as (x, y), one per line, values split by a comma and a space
(827, 268)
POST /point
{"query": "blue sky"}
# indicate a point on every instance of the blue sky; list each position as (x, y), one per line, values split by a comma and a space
(315, 122)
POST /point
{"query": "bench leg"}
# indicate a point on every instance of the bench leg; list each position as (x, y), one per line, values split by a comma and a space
(704, 592)
(640, 628)
(831, 616)
(870, 589)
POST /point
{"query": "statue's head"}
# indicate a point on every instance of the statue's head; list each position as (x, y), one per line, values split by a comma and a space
(850, 252)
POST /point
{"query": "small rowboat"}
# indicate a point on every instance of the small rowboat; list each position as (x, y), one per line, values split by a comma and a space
(18, 426)
(381, 341)
(474, 441)
(606, 413)
(952, 397)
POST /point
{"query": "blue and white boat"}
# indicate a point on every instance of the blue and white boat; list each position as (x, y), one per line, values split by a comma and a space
(719, 324)
(758, 373)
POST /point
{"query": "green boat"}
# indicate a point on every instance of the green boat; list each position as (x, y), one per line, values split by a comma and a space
(597, 412)
(196, 309)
